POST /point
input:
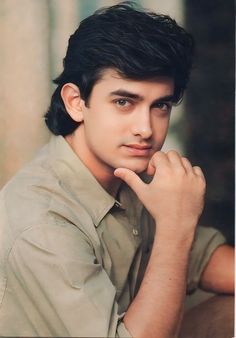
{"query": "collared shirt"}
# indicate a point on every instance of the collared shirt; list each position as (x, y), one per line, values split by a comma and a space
(72, 257)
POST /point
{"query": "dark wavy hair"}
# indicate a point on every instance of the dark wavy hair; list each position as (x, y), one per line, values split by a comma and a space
(138, 44)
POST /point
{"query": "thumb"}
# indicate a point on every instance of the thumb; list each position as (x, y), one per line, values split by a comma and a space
(132, 179)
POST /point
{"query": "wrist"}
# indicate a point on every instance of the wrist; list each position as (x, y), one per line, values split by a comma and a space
(174, 237)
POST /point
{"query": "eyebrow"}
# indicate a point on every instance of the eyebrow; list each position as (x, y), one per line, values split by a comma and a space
(125, 93)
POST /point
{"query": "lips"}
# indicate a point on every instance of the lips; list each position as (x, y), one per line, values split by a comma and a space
(139, 149)
(139, 146)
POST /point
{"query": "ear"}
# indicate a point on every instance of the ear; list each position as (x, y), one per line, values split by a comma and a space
(70, 94)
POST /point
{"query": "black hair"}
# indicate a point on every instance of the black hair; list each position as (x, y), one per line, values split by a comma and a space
(138, 44)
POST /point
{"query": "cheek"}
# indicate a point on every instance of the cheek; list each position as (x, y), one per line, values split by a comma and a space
(160, 128)
(106, 127)
(103, 133)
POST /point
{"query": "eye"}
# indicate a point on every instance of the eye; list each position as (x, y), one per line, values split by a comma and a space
(164, 106)
(123, 103)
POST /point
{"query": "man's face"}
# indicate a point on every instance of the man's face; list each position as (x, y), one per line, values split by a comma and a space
(125, 122)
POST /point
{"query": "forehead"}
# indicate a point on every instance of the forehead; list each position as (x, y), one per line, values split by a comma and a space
(111, 80)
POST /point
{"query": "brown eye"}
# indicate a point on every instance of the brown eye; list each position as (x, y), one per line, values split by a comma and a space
(122, 102)
(163, 106)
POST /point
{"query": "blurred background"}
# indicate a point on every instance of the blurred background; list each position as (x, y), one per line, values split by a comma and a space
(34, 37)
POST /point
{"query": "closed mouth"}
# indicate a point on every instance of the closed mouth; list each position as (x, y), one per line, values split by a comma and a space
(139, 150)
(139, 146)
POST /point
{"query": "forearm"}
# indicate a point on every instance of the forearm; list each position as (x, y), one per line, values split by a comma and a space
(157, 308)
(175, 199)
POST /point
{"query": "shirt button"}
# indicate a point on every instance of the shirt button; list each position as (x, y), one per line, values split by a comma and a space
(135, 232)
(117, 204)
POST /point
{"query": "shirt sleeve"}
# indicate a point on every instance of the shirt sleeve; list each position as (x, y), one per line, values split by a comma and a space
(53, 275)
(207, 240)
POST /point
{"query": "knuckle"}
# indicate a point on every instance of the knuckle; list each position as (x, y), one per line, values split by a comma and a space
(202, 183)
(126, 175)
(185, 160)
(173, 153)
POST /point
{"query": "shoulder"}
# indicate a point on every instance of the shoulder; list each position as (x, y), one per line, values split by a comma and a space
(28, 193)
(36, 196)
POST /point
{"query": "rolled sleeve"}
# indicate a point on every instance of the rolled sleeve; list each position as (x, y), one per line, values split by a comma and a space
(62, 288)
(206, 241)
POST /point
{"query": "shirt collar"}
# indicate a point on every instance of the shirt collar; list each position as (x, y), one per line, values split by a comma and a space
(76, 178)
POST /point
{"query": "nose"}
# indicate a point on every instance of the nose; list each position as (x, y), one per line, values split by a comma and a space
(141, 125)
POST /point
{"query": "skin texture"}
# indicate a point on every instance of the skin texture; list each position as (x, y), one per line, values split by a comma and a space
(213, 279)
(121, 133)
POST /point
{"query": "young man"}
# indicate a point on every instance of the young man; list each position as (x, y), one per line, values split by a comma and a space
(99, 233)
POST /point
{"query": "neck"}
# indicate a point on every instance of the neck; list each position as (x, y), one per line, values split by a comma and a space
(103, 173)
(110, 183)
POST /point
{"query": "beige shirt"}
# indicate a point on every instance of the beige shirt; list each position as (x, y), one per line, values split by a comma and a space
(72, 257)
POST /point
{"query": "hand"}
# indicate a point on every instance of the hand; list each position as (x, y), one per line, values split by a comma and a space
(176, 191)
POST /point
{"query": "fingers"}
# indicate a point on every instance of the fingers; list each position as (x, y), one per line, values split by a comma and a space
(187, 165)
(127, 175)
(198, 171)
(172, 159)
(183, 162)
(180, 162)
(157, 160)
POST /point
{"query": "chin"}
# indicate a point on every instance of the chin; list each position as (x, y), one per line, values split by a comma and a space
(138, 169)
(137, 165)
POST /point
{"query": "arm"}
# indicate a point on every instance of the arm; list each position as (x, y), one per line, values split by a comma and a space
(218, 276)
(175, 200)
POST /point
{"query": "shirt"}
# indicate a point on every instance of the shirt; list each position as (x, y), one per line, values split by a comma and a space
(72, 257)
